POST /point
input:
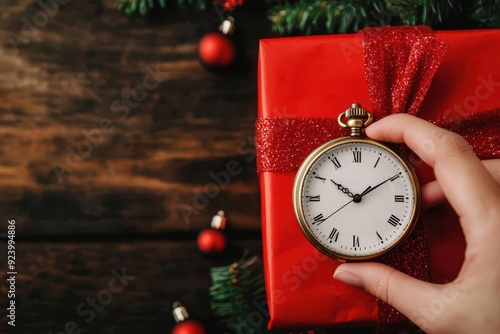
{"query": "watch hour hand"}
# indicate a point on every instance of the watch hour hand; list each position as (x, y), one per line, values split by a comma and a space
(343, 189)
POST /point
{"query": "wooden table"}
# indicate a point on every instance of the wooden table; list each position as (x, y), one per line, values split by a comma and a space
(102, 184)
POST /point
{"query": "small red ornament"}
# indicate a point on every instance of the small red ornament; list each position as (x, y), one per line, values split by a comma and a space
(189, 327)
(184, 324)
(212, 240)
(216, 50)
(229, 5)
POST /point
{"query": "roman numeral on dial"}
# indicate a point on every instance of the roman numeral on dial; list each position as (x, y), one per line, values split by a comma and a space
(316, 176)
(336, 162)
(334, 236)
(355, 241)
(399, 198)
(393, 220)
(357, 156)
(313, 198)
(318, 219)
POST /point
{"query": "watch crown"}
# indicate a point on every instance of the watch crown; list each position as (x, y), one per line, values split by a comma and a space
(356, 111)
(357, 118)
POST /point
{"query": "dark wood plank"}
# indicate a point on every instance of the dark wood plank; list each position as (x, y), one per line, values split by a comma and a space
(54, 279)
(62, 83)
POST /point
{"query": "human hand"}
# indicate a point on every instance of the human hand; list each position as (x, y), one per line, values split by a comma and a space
(472, 189)
(432, 193)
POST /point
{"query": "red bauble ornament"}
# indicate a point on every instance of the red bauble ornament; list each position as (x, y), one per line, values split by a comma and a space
(189, 327)
(217, 50)
(211, 241)
(184, 324)
(229, 5)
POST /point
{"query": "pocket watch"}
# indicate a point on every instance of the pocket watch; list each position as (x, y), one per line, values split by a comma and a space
(356, 198)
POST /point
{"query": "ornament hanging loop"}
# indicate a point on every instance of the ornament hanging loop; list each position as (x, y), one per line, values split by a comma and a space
(357, 119)
(227, 26)
(180, 313)
(219, 220)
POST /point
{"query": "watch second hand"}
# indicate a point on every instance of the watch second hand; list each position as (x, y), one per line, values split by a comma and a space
(343, 206)
(358, 197)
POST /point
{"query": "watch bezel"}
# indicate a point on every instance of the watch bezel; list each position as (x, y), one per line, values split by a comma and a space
(298, 188)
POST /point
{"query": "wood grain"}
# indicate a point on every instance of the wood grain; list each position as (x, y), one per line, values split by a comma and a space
(69, 77)
(55, 278)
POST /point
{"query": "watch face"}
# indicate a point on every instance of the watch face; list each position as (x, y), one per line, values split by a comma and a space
(355, 198)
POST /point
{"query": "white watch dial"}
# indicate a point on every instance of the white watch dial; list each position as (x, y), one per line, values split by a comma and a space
(357, 199)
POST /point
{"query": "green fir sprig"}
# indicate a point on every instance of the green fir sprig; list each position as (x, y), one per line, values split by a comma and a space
(323, 16)
(142, 7)
(486, 13)
(430, 12)
(194, 4)
(304, 17)
(237, 291)
(145, 7)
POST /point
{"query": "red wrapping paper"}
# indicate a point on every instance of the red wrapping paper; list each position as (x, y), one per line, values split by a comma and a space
(320, 76)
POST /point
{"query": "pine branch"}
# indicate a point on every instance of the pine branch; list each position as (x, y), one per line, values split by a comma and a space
(142, 7)
(196, 4)
(486, 13)
(430, 12)
(145, 7)
(323, 16)
(305, 17)
(236, 291)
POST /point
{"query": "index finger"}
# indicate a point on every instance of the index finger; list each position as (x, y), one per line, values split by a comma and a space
(465, 182)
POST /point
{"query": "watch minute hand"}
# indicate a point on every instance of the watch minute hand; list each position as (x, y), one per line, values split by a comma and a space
(370, 189)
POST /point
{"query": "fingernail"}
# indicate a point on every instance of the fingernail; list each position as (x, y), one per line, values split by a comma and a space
(348, 278)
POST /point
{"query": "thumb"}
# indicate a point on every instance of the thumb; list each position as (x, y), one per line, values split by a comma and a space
(405, 293)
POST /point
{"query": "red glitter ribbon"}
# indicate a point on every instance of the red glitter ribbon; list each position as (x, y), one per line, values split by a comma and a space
(283, 143)
(400, 63)
(481, 130)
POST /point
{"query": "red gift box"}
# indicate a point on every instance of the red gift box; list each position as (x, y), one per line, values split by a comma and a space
(319, 77)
